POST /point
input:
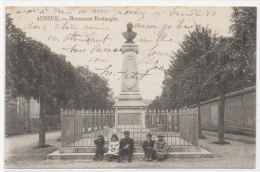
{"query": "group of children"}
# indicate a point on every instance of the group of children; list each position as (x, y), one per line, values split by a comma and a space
(124, 148)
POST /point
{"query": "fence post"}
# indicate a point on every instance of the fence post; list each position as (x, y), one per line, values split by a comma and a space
(102, 119)
(84, 121)
(62, 139)
(148, 119)
(93, 120)
(97, 119)
(109, 118)
(178, 120)
(105, 118)
(143, 111)
(116, 118)
(81, 117)
(141, 124)
(153, 118)
(197, 131)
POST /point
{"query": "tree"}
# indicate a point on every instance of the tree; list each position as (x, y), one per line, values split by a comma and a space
(207, 66)
(156, 104)
(98, 94)
(34, 71)
(224, 68)
(234, 65)
(187, 71)
(243, 29)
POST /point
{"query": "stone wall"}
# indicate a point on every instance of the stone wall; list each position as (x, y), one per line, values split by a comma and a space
(12, 121)
(21, 117)
(240, 112)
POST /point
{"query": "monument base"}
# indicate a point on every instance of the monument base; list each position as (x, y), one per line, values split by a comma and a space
(129, 96)
(130, 111)
(130, 100)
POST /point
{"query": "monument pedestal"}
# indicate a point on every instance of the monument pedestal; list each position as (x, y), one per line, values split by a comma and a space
(130, 112)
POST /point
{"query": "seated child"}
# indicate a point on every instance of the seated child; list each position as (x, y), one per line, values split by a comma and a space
(113, 148)
(161, 148)
(99, 142)
(126, 147)
(148, 147)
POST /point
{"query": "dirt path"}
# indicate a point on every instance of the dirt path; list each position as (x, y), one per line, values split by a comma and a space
(15, 142)
(239, 154)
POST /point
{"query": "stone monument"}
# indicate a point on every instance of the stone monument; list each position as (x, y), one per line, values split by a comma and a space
(129, 107)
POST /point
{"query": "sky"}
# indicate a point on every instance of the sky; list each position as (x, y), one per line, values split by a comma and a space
(92, 36)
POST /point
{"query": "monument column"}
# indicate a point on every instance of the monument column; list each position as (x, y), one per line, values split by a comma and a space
(129, 101)
(129, 84)
(116, 118)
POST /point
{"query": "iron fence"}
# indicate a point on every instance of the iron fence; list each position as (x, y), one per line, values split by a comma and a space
(80, 128)
(178, 127)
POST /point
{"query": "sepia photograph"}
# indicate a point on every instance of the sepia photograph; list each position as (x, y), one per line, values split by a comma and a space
(129, 87)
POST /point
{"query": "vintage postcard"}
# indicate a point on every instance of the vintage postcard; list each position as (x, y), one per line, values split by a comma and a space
(130, 87)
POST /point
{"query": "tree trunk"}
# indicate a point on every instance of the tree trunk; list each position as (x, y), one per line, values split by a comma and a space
(93, 122)
(42, 122)
(200, 135)
(221, 119)
(28, 123)
(178, 121)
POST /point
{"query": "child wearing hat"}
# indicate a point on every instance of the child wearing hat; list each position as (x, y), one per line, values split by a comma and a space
(148, 147)
(161, 148)
(99, 142)
(126, 147)
(113, 148)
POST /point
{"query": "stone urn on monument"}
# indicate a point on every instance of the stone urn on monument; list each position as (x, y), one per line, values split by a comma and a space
(130, 109)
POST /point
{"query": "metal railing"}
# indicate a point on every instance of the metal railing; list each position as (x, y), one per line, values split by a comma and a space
(81, 127)
(178, 127)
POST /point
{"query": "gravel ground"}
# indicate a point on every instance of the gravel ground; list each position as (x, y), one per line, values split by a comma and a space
(240, 153)
(19, 142)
